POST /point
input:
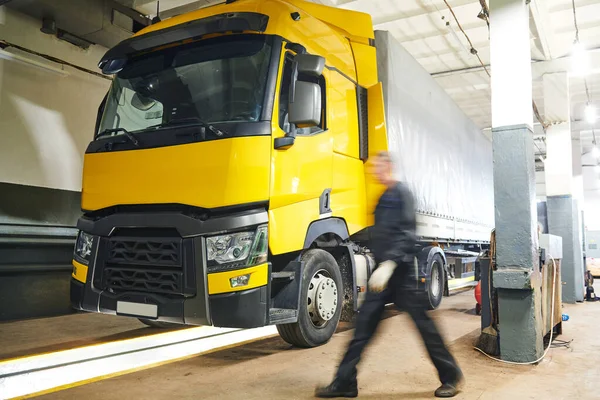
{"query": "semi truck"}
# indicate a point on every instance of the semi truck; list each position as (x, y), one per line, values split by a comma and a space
(227, 182)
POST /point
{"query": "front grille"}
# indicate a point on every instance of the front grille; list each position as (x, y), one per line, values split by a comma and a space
(148, 264)
(145, 251)
(125, 279)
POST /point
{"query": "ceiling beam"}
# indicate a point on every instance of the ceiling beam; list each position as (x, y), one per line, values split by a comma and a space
(137, 3)
(545, 34)
(462, 71)
(539, 68)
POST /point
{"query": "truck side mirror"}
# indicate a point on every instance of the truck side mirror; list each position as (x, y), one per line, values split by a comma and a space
(305, 97)
(309, 64)
(304, 108)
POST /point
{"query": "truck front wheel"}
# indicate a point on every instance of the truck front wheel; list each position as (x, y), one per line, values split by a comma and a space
(320, 302)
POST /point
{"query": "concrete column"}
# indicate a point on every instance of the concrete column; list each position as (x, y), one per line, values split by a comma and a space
(578, 193)
(564, 184)
(518, 276)
(577, 167)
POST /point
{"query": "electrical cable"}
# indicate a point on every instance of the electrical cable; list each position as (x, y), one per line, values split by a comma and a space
(485, 13)
(561, 343)
(537, 114)
(575, 22)
(538, 147)
(551, 329)
(587, 90)
(589, 101)
(4, 44)
(474, 51)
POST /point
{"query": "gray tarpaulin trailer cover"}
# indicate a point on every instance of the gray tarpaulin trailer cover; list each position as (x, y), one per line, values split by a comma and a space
(441, 154)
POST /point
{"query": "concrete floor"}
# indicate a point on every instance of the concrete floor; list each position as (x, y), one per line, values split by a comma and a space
(395, 367)
(43, 335)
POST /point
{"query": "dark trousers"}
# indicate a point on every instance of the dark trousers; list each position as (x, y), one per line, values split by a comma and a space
(402, 290)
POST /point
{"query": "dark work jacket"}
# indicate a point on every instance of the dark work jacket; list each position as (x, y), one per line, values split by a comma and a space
(394, 235)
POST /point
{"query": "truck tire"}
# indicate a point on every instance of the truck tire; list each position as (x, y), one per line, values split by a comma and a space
(159, 324)
(320, 302)
(436, 282)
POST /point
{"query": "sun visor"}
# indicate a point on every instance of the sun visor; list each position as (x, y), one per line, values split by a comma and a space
(115, 59)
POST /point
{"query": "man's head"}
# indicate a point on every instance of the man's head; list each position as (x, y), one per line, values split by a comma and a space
(383, 168)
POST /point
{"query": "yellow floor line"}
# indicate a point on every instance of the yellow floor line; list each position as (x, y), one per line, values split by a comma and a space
(138, 369)
(452, 283)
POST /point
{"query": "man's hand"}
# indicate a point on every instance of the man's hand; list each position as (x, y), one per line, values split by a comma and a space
(380, 278)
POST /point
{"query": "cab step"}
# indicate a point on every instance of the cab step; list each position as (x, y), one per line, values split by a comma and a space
(283, 275)
(282, 316)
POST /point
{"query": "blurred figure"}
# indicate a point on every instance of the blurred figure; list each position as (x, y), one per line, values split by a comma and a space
(393, 242)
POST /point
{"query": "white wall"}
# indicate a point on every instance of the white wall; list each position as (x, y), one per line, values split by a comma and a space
(592, 211)
(591, 194)
(46, 120)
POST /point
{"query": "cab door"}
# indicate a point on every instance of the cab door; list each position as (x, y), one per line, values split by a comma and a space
(301, 175)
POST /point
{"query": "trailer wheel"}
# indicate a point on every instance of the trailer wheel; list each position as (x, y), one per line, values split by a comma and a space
(320, 302)
(159, 324)
(436, 282)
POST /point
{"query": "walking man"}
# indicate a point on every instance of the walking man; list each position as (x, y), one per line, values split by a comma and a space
(393, 281)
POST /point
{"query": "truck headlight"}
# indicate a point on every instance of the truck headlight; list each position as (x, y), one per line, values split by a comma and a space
(83, 247)
(239, 249)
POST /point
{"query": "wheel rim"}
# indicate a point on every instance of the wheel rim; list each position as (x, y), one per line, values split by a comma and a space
(322, 298)
(435, 281)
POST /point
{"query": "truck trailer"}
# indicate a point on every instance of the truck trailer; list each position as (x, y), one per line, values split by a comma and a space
(228, 184)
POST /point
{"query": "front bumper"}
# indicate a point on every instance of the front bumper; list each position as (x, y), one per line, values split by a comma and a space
(185, 292)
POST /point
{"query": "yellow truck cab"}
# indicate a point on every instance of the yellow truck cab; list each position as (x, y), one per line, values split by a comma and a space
(226, 183)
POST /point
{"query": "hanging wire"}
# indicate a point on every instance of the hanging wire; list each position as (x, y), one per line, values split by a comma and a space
(561, 343)
(537, 114)
(4, 44)
(587, 90)
(585, 82)
(541, 153)
(484, 14)
(538, 147)
(575, 22)
(474, 51)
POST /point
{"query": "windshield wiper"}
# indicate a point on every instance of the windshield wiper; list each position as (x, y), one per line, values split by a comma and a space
(127, 134)
(192, 121)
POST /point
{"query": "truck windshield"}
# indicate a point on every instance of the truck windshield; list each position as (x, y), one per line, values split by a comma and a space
(220, 80)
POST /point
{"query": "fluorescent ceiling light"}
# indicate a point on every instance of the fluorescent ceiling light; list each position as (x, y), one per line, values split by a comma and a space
(590, 114)
(580, 60)
(32, 63)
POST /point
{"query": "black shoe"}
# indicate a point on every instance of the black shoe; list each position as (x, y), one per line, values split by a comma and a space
(337, 389)
(447, 390)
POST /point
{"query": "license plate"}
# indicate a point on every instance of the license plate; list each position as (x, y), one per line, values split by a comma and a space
(138, 309)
